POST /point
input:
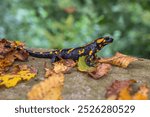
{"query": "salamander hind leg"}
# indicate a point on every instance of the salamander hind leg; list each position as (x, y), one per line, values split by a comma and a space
(54, 59)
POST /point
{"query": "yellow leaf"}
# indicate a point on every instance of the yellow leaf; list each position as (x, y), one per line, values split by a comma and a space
(12, 78)
(9, 80)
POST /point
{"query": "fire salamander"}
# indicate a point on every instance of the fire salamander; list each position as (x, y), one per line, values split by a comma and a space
(74, 53)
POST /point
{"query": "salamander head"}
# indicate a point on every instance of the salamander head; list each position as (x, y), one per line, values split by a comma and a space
(104, 41)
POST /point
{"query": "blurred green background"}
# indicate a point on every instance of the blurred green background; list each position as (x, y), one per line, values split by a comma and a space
(68, 23)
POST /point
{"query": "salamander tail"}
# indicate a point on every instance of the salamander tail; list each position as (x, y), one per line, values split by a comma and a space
(39, 54)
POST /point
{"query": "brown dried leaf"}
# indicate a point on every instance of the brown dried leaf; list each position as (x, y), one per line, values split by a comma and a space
(113, 90)
(3, 49)
(21, 55)
(123, 90)
(49, 72)
(119, 59)
(49, 89)
(69, 63)
(9, 53)
(63, 66)
(9, 59)
(59, 67)
(100, 71)
(6, 62)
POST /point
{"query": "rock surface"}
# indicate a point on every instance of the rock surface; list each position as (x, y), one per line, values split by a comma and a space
(79, 85)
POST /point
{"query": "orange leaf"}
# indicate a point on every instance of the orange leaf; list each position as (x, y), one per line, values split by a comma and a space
(63, 66)
(119, 59)
(59, 67)
(141, 94)
(49, 89)
(124, 94)
(116, 87)
(123, 90)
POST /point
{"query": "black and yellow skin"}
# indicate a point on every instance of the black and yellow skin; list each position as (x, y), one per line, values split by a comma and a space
(74, 53)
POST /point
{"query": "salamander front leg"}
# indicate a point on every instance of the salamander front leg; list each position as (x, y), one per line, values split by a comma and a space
(89, 60)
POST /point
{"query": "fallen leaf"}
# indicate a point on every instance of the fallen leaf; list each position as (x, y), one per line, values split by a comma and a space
(21, 55)
(3, 49)
(69, 63)
(59, 67)
(9, 53)
(18, 73)
(49, 72)
(82, 66)
(8, 46)
(119, 59)
(113, 90)
(141, 94)
(6, 62)
(100, 71)
(124, 94)
(63, 66)
(49, 89)
(18, 44)
(123, 90)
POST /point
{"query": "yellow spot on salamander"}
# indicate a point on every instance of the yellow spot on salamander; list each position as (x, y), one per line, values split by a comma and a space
(100, 40)
(97, 50)
(90, 53)
(81, 51)
(51, 52)
(41, 52)
(100, 45)
(56, 52)
(70, 50)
